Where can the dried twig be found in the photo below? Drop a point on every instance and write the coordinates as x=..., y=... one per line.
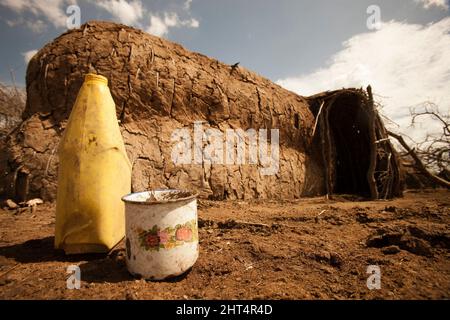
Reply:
x=317, y=118
x=434, y=150
x=9, y=270
x=252, y=224
x=419, y=164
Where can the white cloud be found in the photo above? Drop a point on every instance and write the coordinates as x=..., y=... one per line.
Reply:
x=16, y=5
x=135, y=14
x=443, y=4
x=53, y=11
x=187, y=4
x=37, y=25
x=28, y=55
x=406, y=64
x=127, y=12
x=160, y=26
x=157, y=26
x=130, y=12
x=194, y=23
x=171, y=19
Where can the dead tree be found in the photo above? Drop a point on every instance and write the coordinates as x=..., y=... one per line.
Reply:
x=432, y=154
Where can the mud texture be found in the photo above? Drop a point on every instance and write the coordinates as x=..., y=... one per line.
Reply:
x=257, y=249
x=158, y=87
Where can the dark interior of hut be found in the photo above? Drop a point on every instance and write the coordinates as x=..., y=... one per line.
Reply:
x=348, y=124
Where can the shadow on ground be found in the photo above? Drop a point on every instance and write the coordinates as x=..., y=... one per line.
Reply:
x=98, y=268
x=42, y=250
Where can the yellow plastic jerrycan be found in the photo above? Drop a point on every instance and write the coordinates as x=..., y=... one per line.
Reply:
x=94, y=173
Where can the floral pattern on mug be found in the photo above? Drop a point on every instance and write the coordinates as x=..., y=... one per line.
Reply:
x=170, y=237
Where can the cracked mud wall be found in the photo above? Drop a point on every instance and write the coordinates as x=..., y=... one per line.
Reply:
x=158, y=87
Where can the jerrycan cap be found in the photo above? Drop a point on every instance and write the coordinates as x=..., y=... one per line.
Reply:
x=95, y=77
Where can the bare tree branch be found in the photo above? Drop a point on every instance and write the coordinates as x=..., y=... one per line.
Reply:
x=418, y=162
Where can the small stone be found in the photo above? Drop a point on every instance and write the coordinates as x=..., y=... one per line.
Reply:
x=391, y=250
x=322, y=256
x=185, y=297
x=130, y=296
x=34, y=202
x=362, y=217
x=11, y=204
x=278, y=268
x=390, y=209
x=238, y=279
x=336, y=260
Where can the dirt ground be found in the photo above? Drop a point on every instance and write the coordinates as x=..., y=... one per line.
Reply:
x=304, y=249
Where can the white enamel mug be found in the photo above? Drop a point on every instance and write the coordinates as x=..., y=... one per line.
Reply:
x=161, y=230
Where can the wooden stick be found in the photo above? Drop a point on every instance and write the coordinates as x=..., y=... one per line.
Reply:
x=8, y=271
x=382, y=140
x=253, y=224
x=317, y=118
x=373, y=146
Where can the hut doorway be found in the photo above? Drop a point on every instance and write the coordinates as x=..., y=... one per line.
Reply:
x=349, y=129
x=352, y=142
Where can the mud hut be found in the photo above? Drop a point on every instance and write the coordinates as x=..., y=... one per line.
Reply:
x=329, y=143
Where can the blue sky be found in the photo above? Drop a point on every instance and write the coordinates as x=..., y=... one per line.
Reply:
x=305, y=46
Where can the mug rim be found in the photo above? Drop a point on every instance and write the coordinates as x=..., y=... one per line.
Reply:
x=192, y=195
